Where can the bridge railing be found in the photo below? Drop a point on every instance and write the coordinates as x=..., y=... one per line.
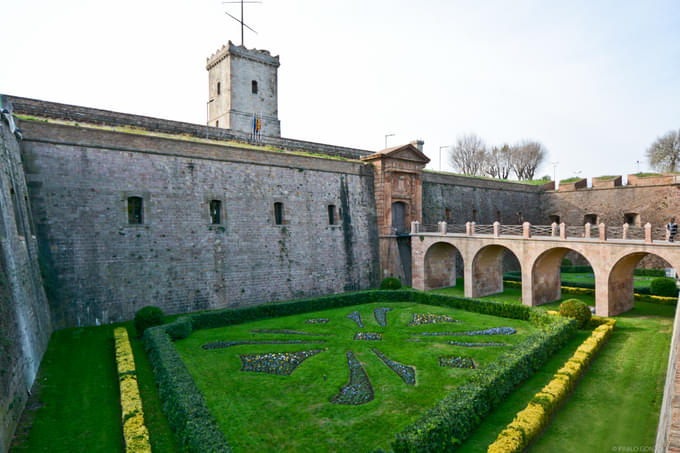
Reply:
x=542, y=230
x=483, y=229
x=600, y=232
x=512, y=230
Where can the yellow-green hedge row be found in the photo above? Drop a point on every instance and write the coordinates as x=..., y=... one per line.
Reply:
x=588, y=291
x=529, y=422
x=134, y=431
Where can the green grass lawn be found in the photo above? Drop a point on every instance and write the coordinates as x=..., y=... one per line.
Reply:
x=77, y=404
x=264, y=412
x=638, y=281
x=618, y=400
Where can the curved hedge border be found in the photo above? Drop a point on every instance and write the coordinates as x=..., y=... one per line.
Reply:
x=135, y=434
x=530, y=421
x=453, y=418
x=444, y=427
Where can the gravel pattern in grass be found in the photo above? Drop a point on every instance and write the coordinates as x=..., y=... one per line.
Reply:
x=430, y=318
x=405, y=372
x=492, y=331
x=281, y=363
x=381, y=315
x=228, y=344
x=317, y=321
x=456, y=362
x=356, y=317
x=370, y=336
x=359, y=390
x=289, y=332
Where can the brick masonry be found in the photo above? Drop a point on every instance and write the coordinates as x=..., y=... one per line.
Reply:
x=45, y=109
x=481, y=200
x=79, y=181
x=25, y=322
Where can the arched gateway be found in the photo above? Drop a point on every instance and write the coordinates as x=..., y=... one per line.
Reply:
x=613, y=261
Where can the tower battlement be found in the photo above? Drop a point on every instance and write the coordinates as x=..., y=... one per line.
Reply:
x=260, y=56
x=243, y=91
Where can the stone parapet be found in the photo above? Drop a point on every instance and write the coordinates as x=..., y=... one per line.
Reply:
x=604, y=182
x=470, y=181
x=87, y=115
x=572, y=186
x=660, y=180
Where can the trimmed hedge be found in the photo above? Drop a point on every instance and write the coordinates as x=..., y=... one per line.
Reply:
x=135, y=433
x=183, y=403
x=530, y=421
x=574, y=308
x=650, y=272
x=390, y=283
x=198, y=430
x=146, y=317
x=451, y=421
x=641, y=294
x=663, y=286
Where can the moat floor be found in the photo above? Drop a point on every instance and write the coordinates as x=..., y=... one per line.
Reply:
x=75, y=402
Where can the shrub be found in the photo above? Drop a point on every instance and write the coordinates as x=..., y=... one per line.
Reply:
x=530, y=421
x=451, y=421
x=135, y=433
x=650, y=272
x=390, y=283
x=663, y=286
x=148, y=317
x=566, y=262
x=574, y=308
x=183, y=403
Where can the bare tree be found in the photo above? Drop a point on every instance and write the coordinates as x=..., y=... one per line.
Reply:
x=527, y=156
x=498, y=162
x=468, y=154
x=664, y=153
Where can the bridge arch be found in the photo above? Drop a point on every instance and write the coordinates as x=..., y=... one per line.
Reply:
x=486, y=270
x=620, y=282
x=546, y=281
x=440, y=265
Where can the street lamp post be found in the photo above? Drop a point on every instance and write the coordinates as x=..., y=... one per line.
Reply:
x=440, y=156
x=207, y=111
x=387, y=135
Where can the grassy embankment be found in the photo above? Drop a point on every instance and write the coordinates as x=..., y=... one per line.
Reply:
x=618, y=400
x=76, y=407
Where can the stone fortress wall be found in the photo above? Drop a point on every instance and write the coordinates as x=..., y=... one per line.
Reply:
x=81, y=166
x=105, y=269
x=25, y=321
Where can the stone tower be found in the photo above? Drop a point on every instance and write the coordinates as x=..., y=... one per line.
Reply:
x=242, y=85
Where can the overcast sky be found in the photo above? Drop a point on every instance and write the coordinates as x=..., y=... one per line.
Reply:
x=595, y=81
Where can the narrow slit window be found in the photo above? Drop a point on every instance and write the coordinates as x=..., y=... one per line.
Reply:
x=278, y=213
x=217, y=123
x=331, y=214
x=215, y=212
x=474, y=215
x=554, y=219
x=219, y=88
x=253, y=86
x=135, y=210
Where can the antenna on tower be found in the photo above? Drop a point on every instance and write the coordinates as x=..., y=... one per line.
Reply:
x=241, y=21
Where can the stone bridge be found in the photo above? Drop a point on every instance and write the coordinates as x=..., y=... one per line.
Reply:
x=613, y=253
